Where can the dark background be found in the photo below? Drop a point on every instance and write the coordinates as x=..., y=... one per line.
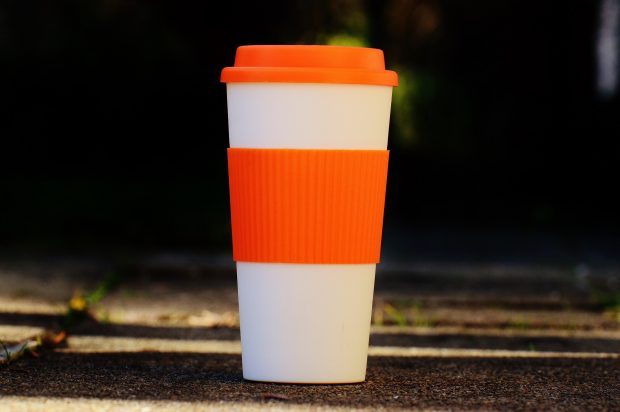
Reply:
x=114, y=131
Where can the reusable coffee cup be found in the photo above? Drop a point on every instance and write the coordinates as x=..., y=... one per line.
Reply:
x=307, y=163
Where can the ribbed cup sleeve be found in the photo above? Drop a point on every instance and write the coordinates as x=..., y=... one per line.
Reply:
x=307, y=206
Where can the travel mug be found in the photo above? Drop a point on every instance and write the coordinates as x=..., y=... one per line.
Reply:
x=307, y=163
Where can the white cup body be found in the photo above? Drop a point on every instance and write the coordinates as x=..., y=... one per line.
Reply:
x=308, y=115
x=306, y=323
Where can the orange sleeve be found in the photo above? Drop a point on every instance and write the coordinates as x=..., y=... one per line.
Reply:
x=307, y=206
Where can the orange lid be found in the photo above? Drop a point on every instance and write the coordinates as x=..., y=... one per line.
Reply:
x=309, y=64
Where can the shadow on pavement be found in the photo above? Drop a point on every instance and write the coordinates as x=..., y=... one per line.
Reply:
x=464, y=383
x=471, y=341
x=409, y=339
x=440, y=340
x=29, y=319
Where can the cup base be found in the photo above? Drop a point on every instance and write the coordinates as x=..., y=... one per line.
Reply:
x=304, y=323
x=289, y=382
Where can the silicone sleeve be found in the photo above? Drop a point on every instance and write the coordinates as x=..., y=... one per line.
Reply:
x=307, y=206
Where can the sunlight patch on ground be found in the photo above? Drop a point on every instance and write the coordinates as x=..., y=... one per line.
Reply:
x=35, y=404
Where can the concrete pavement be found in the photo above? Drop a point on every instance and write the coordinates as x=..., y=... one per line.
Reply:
x=446, y=337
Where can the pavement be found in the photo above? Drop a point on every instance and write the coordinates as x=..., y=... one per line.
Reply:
x=446, y=335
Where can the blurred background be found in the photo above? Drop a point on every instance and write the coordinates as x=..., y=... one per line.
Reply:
x=504, y=134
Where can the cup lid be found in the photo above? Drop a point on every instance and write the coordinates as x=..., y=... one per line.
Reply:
x=309, y=64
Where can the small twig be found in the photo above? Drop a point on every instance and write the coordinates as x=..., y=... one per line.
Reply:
x=30, y=346
x=275, y=396
x=14, y=352
x=78, y=310
x=6, y=351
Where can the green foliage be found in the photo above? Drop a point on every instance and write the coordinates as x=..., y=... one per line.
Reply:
x=345, y=39
x=80, y=304
x=609, y=301
x=403, y=104
x=520, y=324
x=397, y=316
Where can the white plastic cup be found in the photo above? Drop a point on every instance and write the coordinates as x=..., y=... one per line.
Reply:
x=306, y=323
